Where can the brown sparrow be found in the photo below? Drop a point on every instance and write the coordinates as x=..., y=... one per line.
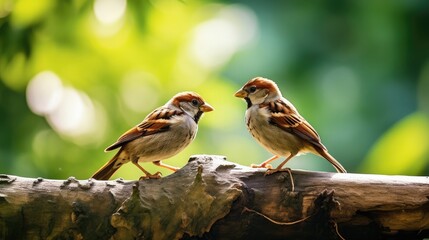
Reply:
x=162, y=134
x=276, y=124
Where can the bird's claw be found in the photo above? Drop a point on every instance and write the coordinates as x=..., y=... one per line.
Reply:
x=156, y=175
x=271, y=171
x=269, y=166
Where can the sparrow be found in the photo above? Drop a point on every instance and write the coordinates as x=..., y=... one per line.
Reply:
x=162, y=134
x=276, y=124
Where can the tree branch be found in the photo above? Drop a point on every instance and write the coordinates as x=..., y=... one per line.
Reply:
x=216, y=199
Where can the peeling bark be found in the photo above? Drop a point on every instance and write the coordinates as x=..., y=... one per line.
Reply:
x=211, y=198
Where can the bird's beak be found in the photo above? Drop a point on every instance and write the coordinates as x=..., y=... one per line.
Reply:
x=241, y=93
x=206, y=107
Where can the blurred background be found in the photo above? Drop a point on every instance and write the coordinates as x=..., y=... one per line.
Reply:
x=76, y=74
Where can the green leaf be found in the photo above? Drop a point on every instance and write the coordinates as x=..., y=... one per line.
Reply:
x=403, y=149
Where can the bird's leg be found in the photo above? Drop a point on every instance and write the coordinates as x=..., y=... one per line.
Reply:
x=148, y=175
x=159, y=163
x=265, y=164
x=285, y=161
x=279, y=167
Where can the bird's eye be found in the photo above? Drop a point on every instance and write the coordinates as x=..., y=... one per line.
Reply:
x=195, y=102
x=252, y=89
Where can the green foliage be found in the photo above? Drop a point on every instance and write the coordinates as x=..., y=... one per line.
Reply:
x=354, y=69
x=403, y=149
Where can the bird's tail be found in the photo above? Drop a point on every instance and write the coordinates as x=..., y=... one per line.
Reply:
x=106, y=171
x=332, y=160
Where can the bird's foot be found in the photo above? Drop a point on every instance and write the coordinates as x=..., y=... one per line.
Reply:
x=261, y=166
x=156, y=175
x=271, y=171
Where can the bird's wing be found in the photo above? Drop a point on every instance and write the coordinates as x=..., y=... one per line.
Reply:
x=156, y=122
x=288, y=119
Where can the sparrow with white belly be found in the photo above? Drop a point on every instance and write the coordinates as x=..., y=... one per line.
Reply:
x=276, y=124
x=162, y=134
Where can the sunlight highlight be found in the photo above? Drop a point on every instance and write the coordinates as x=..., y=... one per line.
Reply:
x=44, y=93
x=69, y=111
x=109, y=11
x=216, y=40
x=73, y=115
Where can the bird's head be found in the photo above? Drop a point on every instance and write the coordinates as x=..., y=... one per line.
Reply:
x=259, y=90
x=192, y=104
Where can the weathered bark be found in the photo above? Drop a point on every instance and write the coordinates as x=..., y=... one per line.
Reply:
x=211, y=198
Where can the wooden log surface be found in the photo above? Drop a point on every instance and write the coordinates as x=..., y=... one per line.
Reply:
x=211, y=198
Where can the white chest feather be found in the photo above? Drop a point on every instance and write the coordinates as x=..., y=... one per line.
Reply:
x=271, y=137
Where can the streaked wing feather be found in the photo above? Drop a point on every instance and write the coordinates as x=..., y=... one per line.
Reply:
x=154, y=123
x=289, y=120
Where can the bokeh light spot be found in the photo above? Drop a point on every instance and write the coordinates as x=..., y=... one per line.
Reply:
x=69, y=111
x=109, y=11
x=68, y=117
x=44, y=92
x=216, y=40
